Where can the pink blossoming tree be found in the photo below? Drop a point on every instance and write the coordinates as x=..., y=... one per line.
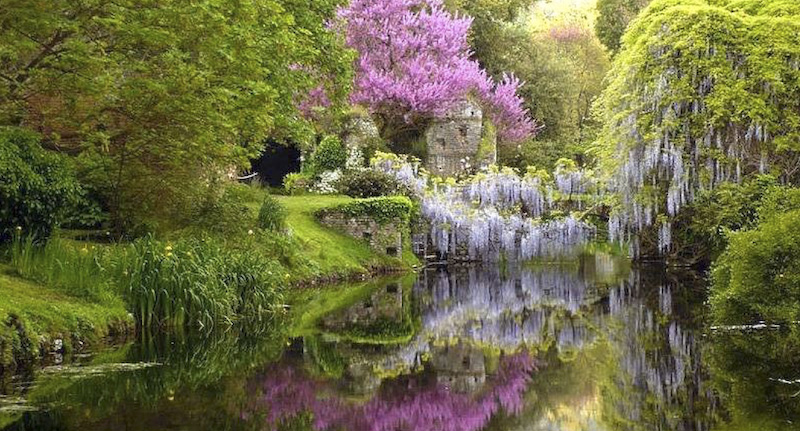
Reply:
x=414, y=64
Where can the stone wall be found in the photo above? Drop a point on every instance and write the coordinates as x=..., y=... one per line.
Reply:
x=360, y=132
x=384, y=238
x=454, y=142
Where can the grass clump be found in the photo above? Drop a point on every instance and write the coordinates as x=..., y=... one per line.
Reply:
x=272, y=215
x=78, y=270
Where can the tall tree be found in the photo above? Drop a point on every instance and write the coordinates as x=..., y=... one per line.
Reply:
x=613, y=19
x=414, y=64
x=153, y=94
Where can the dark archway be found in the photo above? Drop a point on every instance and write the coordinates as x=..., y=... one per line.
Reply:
x=275, y=162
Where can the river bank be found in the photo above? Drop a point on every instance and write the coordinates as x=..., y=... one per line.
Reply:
x=41, y=320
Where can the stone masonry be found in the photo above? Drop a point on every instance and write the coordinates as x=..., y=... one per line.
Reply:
x=453, y=142
x=386, y=238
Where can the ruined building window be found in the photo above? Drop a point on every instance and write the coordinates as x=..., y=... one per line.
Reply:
x=367, y=236
x=391, y=251
x=463, y=130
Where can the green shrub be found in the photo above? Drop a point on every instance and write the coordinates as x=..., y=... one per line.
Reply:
x=36, y=185
x=368, y=183
x=758, y=276
x=297, y=183
x=700, y=231
x=778, y=200
x=329, y=155
x=224, y=212
x=272, y=215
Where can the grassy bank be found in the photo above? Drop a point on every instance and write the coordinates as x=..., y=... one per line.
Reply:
x=329, y=254
x=35, y=317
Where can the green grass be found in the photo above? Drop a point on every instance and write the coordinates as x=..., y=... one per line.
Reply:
x=46, y=314
x=331, y=254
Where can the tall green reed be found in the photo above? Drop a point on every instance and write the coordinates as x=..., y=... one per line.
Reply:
x=77, y=269
x=200, y=284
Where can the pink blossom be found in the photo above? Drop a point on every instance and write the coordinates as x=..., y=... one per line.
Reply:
x=414, y=62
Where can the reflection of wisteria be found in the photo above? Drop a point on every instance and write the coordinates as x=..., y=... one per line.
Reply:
x=419, y=405
x=660, y=360
x=506, y=312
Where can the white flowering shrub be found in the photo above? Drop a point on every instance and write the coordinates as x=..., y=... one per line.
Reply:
x=326, y=183
x=495, y=213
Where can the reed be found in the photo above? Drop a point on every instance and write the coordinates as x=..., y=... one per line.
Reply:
x=199, y=284
x=76, y=269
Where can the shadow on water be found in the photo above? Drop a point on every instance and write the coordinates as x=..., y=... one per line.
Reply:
x=591, y=345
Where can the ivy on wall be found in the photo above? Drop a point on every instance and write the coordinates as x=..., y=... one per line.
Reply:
x=383, y=210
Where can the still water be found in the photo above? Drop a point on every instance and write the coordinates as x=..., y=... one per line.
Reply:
x=592, y=345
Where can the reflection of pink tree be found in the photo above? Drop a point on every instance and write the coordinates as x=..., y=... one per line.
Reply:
x=288, y=392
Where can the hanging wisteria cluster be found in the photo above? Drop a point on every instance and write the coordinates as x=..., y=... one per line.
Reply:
x=496, y=213
x=687, y=119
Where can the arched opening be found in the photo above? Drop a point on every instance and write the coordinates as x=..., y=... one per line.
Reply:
x=275, y=162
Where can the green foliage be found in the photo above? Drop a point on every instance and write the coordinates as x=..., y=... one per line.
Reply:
x=369, y=183
x=747, y=54
x=381, y=209
x=564, y=64
x=199, y=284
x=159, y=98
x=36, y=185
x=221, y=211
x=700, y=232
x=297, y=183
x=758, y=276
x=613, y=19
x=272, y=215
x=329, y=155
x=78, y=270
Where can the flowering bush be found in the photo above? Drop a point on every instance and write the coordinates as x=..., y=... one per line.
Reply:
x=493, y=214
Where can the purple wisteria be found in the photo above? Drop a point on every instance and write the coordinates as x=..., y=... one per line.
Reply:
x=414, y=63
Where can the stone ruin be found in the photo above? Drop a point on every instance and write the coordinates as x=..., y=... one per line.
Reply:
x=384, y=238
x=454, y=142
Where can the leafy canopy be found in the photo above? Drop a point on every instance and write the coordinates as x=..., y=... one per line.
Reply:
x=155, y=96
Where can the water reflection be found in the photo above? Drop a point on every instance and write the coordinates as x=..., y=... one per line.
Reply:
x=591, y=345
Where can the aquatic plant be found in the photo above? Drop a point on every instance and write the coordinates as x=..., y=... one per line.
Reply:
x=198, y=284
x=79, y=270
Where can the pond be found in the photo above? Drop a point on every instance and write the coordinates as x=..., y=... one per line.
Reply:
x=587, y=345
